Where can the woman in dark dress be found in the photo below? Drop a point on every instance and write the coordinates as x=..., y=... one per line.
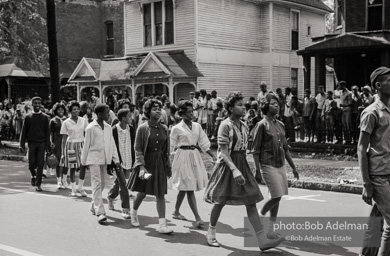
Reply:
x=151, y=166
x=232, y=182
x=59, y=110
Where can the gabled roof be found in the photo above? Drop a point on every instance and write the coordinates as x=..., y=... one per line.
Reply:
x=347, y=41
x=9, y=68
x=318, y=4
x=153, y=65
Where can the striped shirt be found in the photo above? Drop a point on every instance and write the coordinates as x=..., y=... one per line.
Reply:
x=124, y=143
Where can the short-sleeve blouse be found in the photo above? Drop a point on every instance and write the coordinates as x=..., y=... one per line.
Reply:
x=75, y=131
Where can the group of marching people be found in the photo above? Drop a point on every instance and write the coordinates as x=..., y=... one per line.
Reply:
x=139, y=156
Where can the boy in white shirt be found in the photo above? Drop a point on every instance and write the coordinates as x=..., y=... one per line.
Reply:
x=99, y=150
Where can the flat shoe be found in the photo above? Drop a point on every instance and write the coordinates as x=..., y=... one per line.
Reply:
x=212, y=242
x=178, y=217
x=199, y=223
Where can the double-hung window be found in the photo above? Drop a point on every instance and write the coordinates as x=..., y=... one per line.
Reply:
x=158, y=18
x=109, y=38
x=294, y=30
x=374, y=15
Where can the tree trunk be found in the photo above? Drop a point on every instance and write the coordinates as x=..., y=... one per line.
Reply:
x=53, y=52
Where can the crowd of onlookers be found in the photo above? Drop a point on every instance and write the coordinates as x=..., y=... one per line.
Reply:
x=328, y=117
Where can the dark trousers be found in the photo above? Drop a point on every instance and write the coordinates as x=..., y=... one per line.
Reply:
x=320, y=126
x=36, y=160
x=372, y=236
x=355, y=127
x=119, y=187
x=289, y=124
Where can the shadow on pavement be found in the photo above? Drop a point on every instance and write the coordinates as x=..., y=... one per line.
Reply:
x=329, y=249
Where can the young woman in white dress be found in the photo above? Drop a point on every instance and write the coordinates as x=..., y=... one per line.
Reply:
x=189, y=174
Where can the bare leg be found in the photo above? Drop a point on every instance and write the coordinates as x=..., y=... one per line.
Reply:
x=138, y=200
x=82, y=173
x=269, y=205
x=215, y=213
x=160, y=202
x=254, y=218
x=179, y=201
x=72, y=175
x=192, y=202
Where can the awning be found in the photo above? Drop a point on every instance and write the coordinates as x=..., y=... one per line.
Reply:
x=9, y=68
x=347, y=42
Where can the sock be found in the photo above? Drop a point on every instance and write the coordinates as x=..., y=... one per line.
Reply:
x=65, y=178
x=212, y=231
x=81, y=184
x=271, y=226
x=162, y=222
x=73, y=186
x=135, y=212
x=58, y=179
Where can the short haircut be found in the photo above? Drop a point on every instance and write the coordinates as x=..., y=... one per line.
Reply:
x=330, y=92
x=57, y=106
x=203, y=92
x=123, y=102
x=343, y=83
x=149, y=105
x=173, y=109
x=308, y=91
x=73, y=104
x=213, y=92
x=100, y=108
x=183, y=106
x=220, y=104
x=123, y=113
x=265, y=102
x=231, y=99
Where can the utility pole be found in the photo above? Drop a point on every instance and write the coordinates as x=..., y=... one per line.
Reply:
x=53, y=52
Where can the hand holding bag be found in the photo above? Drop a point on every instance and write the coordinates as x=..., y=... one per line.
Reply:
x=52, y=161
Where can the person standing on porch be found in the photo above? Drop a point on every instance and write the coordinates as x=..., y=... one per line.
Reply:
x=320, y=123
x=288, y=115
x=189, y=174
x=346, y=104
x=309, y=110
x=99, y=150
x=37, y=134
x=232, y=181
x=373, y=152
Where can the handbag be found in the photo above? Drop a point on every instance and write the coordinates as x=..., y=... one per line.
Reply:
x=52, y=161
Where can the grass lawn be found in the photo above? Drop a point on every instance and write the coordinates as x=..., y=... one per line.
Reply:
x=314, y=173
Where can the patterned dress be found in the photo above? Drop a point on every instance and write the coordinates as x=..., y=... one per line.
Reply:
x=222, y=188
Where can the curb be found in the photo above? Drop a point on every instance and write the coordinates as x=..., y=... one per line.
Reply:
x=12, y=158
x=334, y=187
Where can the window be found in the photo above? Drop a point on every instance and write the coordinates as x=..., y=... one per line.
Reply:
x=375, y=14
x=339, y=14
x=308, y=30
x=158, y=23
x=169, y=22
x=148, y=24
x=294, y=30
x=109, y=38
x=294, y=80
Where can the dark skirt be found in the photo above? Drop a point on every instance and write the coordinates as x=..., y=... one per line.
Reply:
x=223, y=189
x=157, y=184
x=57, y=151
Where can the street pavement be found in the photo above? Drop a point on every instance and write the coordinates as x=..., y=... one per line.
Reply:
x=52, y=223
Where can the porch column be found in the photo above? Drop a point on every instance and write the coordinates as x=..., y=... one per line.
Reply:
x=170, y=88
x=307, y=71
x=8, y=80
x=78, y=92
x=385, y=57
x=133, y=91
x=101, y=92
x=320, y=72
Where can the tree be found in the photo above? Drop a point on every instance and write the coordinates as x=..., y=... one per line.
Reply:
x=20, y=25
x=329, y=19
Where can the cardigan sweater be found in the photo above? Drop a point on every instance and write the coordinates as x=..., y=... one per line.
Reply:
x=141, y=144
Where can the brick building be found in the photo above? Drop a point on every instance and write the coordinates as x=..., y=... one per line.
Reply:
x=360, y=44
x=85, y=28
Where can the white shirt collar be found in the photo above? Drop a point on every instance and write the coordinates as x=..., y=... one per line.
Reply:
x=120, y=128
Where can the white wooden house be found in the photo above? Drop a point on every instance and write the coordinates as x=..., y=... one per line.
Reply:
x=234, y=44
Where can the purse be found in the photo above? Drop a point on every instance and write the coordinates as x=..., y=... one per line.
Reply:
x=52, y=161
